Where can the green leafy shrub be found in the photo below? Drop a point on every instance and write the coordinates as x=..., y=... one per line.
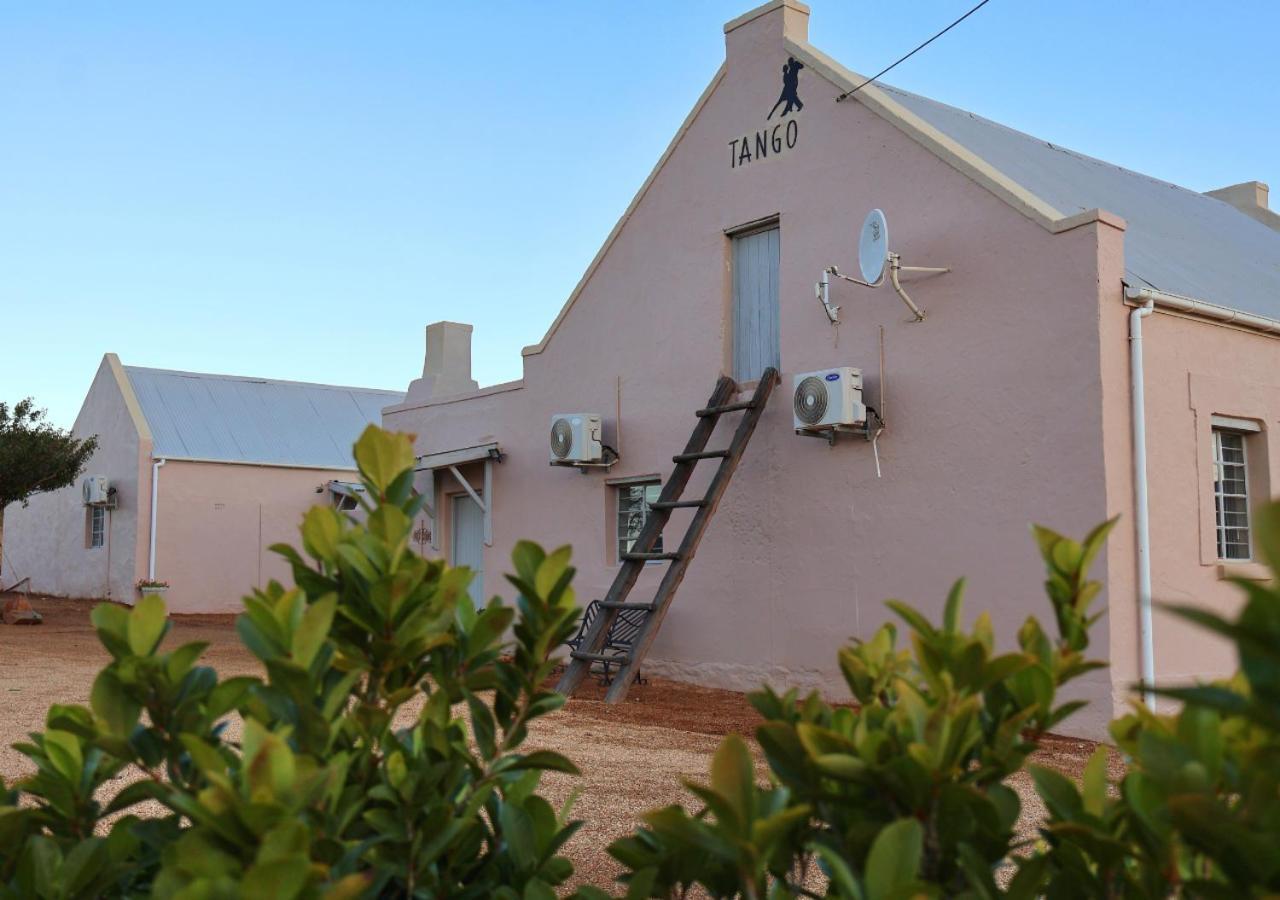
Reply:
x=1198, y=812
x=905, y=795
x=378, y=756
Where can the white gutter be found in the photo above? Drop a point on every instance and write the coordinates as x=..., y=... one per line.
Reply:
x=1223, y=314
x=1141, y=518
x=155, y=498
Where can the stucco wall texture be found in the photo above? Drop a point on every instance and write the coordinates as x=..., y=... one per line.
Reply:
x=217, y=522
x=994, y=404
x=47, y=540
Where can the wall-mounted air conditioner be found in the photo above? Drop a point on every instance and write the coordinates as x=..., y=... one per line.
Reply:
x=576, y=438
x=828, y=398
x=95, y=490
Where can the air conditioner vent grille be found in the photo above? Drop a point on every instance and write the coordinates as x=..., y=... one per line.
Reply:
x=561, y=438
x=810, y=400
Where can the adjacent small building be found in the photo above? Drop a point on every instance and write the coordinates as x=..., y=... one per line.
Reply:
x=1018, y=399
x=195, y=476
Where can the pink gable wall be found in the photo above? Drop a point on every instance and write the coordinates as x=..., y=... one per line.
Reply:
x=993, y=404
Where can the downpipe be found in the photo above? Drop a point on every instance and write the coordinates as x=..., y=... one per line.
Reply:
x=1138, y=413
x=155, y=505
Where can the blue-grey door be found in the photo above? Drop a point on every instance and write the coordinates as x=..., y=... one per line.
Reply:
x=467, y=546
x=755, y=304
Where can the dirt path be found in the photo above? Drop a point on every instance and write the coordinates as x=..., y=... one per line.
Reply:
x=634, y=757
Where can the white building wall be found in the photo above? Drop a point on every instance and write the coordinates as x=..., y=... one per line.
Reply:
x=47, y=539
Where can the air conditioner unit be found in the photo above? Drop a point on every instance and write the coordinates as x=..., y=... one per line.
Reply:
x=576, y=438
x=96, y=490
x=828, y=398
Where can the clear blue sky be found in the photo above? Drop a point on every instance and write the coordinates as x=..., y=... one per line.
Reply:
x=294, y=190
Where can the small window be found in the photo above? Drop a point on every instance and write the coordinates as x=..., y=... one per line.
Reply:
x=97, y=527
x=1231, y=493
x=633, y=512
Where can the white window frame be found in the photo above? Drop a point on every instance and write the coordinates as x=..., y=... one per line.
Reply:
x=97, y=527
x=621, y=490
x=1220, y=496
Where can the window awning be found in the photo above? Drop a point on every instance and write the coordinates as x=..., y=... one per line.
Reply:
x=429, y=463
x=457, y=457
x=346, y=488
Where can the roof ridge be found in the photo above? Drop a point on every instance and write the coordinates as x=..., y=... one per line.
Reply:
x=262, y=380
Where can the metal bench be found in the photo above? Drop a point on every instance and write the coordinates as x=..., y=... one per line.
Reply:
x=618, y=642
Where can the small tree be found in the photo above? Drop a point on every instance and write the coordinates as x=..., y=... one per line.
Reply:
x=36, y=456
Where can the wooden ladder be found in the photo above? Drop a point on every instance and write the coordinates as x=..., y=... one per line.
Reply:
x=596, y=646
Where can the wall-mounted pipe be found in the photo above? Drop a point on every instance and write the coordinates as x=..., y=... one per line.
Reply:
x=1138, y=412
x=155, y=505
x=895, y=266
x=823, y=290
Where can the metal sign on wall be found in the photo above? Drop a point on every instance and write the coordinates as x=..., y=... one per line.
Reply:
x=778, y=137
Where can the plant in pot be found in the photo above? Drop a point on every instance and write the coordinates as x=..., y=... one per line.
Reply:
x=149, y=586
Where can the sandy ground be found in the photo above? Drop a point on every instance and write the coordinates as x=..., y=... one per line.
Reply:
x=634, y=757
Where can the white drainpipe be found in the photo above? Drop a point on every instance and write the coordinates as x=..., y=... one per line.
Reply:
x=155, y=498
x=1141, y=518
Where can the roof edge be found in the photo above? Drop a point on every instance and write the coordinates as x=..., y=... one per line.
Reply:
x=130, y=397
x=1204, y=310
x=259, y=464
x=537, y=348
x=946, y=148
x=255, y=379
x=455, y=398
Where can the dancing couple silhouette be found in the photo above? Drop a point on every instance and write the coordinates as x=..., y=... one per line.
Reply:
x=790, y=87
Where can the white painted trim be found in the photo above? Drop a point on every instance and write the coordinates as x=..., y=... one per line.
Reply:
x=130, y=398
x=486, y=504
x=1202, y=309
x=451, y=458
x=763, y=10
x=623, y=480
x=1234, y=423
x=258, y=465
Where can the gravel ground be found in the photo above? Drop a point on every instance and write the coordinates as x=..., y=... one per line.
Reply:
x=633, y=757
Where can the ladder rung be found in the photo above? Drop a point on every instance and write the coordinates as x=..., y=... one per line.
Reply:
x=705, y=454
x=728, y=407
x=677, y=504
x=638, y=557
x=600, y=657
x=622, y=604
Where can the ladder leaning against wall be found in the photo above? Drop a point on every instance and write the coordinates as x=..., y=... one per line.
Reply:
x=599, y=645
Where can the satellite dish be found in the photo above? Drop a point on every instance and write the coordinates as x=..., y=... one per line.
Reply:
x=873, y=247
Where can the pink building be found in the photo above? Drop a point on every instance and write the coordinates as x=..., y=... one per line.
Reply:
x=1011, y=403
x=194, y=477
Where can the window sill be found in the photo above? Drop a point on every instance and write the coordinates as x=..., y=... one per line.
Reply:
x=1249, y=571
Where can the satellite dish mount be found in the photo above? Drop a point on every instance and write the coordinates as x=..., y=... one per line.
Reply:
x=874, y=258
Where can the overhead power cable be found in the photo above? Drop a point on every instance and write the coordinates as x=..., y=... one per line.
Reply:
x=851, y=92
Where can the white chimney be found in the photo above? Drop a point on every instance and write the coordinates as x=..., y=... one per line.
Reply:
x=446, y=369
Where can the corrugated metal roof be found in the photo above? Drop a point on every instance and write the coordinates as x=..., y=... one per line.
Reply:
x=1177, y=240
x=254, y=420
